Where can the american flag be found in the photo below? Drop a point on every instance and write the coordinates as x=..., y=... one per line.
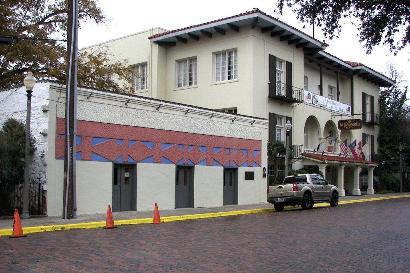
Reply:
x=359, y=150
x=352, y=147
x=343, y=148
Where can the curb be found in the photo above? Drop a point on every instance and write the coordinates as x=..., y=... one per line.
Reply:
x=168, y=219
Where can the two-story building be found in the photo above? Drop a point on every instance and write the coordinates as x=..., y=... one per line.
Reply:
x=254, y=64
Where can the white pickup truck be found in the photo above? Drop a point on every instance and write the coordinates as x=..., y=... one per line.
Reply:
x=304, y=190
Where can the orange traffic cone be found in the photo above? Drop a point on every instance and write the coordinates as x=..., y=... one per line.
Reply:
x=17, y=228
x=157, y=218
x=109, y=222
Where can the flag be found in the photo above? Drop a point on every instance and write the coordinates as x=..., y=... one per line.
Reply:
x=359, y=150
x=352, y=147
x=321, y=147
x=343, y=148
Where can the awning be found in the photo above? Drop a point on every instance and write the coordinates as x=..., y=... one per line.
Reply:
x=336, y=159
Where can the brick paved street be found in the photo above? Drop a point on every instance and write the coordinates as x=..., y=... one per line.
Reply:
x=366, y=237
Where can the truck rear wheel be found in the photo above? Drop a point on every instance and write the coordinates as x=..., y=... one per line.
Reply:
x=279, y=207
x=307, y=201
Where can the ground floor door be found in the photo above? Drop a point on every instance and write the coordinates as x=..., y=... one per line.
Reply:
x=184, y=187
x=124, y=188
x=230, y=188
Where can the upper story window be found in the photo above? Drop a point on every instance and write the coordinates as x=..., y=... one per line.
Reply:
x=331, y=92
x=140, y=77
x=306, y=83
x=186, y=74
x=231, y=110
x=280, y=128
x=368, y=110
x=280, y=77
x=226, y=65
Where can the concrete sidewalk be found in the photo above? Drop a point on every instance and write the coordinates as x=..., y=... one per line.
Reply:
x=133, y=217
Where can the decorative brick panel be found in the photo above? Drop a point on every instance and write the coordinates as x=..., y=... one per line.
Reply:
x=128, y=144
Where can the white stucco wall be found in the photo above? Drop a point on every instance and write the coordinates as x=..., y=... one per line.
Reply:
x=13, y=104
x=131, y=49
x=155, y=184
x=251, y=191
x=209, y=93
x=208, y=186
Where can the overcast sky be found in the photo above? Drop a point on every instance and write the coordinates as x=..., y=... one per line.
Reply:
x=125, y=17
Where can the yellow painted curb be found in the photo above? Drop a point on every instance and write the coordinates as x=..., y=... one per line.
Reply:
x=168, y=219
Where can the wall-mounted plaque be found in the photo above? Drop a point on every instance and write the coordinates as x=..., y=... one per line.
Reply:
x=349, y=124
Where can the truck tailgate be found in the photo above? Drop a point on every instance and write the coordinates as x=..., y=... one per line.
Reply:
x=280, y=190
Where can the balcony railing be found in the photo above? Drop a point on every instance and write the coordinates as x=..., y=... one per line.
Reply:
x=370, y=118
x=326, y=103
x=295, y=152
x=285, y=92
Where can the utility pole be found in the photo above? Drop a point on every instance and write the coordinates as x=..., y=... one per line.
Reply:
x=401, y=167
x=69, y=194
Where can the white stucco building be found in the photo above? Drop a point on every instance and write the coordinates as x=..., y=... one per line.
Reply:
x=254, y=64
x=133, y=151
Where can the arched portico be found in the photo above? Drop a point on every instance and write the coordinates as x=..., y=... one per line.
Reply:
x=330, y=136
x=312, y=133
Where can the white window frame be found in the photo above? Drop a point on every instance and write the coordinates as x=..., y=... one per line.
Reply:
x=225, y=65
x=140, y=77
x=280, y=129
x=280, y=77
x=367, y=148
x=331, y=92
x=186, y=72
x=368, y=108
x=306, y=83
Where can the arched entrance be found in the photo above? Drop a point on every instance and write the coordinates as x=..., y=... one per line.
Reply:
x=312, y=133
x=330, y=136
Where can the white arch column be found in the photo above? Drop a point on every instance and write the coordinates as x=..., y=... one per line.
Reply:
x=322, y=169
x=370, y=189
x=356, y=184
x=341, y=179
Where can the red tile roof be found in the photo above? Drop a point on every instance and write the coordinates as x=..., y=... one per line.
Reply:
x=354, y=64
x=253, y=11
x=335, y=158
x=203, y=24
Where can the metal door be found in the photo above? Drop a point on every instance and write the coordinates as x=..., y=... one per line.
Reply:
x=230, y=188
x=184, y=187
x=123, y=193
x=317, y=187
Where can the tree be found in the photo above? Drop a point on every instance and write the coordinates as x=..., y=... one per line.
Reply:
x=38, y=29
x=276, y=150
x=12, y=145
x=394, y=130
x=379, y=20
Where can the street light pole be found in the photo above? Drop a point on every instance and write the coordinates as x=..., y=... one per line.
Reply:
x=29, y=82
x=288, y=127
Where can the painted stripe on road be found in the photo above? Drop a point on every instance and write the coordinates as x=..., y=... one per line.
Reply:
x=168, y=219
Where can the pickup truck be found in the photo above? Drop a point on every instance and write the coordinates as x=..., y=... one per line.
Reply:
x=304, y=190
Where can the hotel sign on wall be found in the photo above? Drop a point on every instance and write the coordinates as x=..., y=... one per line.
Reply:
x=349, y=124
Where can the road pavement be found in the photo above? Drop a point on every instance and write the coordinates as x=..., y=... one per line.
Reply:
x=364, y=237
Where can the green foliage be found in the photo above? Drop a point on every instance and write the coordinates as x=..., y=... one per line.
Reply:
x=379, y=21
x=306, y=169
x=394, y=124
x=394, y=130
x=12, y=146
x=276, y=148
x=388, y=183
x=34, y=23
